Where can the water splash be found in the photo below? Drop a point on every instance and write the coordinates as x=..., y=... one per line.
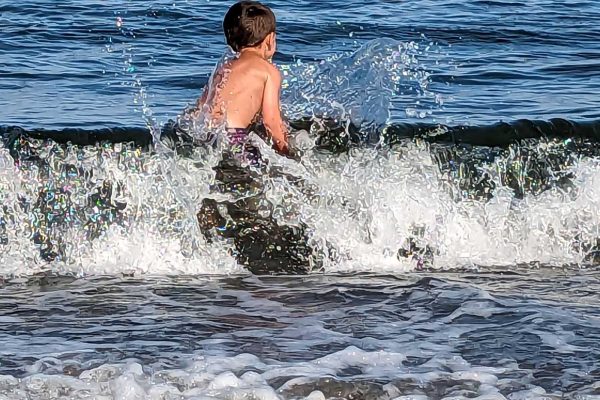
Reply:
x=358, y=88
x=399, y=209
x=99, y=209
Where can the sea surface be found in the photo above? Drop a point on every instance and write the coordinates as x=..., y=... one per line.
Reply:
x=436, y=237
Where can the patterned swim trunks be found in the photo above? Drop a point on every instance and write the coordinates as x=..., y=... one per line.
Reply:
x=242, y=148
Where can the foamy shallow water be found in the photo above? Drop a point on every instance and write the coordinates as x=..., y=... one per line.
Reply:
x=496, y=335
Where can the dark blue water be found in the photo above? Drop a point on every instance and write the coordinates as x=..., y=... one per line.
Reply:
x=451, y=255
x=64, y=63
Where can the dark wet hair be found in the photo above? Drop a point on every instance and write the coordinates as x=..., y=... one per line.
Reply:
x=247, y=24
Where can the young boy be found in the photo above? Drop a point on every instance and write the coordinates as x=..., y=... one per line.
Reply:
x=248, y=87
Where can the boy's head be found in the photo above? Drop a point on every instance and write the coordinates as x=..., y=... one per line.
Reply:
x=247, y=24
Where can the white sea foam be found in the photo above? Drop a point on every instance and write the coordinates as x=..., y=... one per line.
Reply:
x=371, y=202
x=366, y=205
x=244, y=376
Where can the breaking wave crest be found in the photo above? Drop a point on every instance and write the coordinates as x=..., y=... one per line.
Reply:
x=79, y=201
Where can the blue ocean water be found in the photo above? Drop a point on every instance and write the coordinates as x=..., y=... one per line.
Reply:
x=438, y=237
x=65, y=63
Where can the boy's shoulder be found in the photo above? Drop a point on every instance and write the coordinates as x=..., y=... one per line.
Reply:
x=271, y=72
x=265, y=66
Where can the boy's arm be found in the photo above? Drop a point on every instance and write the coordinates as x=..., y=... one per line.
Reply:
x=271, y=111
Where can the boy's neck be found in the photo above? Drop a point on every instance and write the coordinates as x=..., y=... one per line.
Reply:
x=258, y=51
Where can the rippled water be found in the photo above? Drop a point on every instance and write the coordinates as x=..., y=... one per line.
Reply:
x=490, y=335
x=63, y=62
x=443, y=221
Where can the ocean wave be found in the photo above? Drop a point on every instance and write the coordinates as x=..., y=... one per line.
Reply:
x=394, y=198
x=339, y=134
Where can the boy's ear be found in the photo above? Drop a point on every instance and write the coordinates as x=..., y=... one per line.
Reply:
x=270, y=40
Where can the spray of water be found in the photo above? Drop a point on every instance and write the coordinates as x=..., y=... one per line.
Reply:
x=358, y=88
